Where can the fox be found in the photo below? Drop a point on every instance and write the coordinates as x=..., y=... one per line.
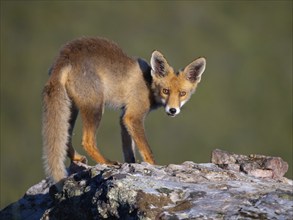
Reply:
x=92, y=73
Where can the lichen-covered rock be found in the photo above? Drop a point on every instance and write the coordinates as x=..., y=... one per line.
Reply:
x=254, y=164
x=144, y=191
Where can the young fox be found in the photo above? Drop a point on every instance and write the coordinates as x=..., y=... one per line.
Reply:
x=91, y=73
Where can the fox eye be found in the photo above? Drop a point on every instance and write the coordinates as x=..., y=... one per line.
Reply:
x=183, y=93
x=166, y=91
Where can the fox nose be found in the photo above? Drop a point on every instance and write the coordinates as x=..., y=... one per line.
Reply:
x=173, y=111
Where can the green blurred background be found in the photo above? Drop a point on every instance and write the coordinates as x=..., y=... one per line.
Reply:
x=243, y=104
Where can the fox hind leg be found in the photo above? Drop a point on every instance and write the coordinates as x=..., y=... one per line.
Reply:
x=91, y=118
x=71, y=152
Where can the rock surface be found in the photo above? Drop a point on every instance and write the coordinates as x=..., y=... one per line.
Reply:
x=254, y=164
x=143, y=191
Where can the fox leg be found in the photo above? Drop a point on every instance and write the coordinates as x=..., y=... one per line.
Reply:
x=134, y=124
x=71, y=152
x=91, y=118
x=128, y=145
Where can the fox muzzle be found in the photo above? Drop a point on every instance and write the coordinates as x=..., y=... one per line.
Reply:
x=171, y=111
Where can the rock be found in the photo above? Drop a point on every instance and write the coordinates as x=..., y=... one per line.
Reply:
x=254, y=164
x=144, y=191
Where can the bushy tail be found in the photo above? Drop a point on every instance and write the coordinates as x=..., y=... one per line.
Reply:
x=55, y=125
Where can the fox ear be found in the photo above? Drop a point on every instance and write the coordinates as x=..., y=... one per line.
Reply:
x=159, y=64
x=194, y=70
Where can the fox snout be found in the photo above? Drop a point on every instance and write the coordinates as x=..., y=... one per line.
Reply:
x=172, y=111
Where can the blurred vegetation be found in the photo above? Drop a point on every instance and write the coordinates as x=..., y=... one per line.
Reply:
x=243, y=104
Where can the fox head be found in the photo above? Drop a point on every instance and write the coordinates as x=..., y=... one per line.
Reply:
x=172, y=89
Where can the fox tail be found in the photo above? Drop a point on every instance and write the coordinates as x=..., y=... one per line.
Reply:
x=55, y=124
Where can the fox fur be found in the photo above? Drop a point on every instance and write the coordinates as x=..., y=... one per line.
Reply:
x=90, y=74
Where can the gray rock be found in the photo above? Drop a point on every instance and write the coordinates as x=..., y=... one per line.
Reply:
x=144, y=191
x=254, y=164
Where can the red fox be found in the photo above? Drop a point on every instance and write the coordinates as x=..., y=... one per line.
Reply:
x=92, y=73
